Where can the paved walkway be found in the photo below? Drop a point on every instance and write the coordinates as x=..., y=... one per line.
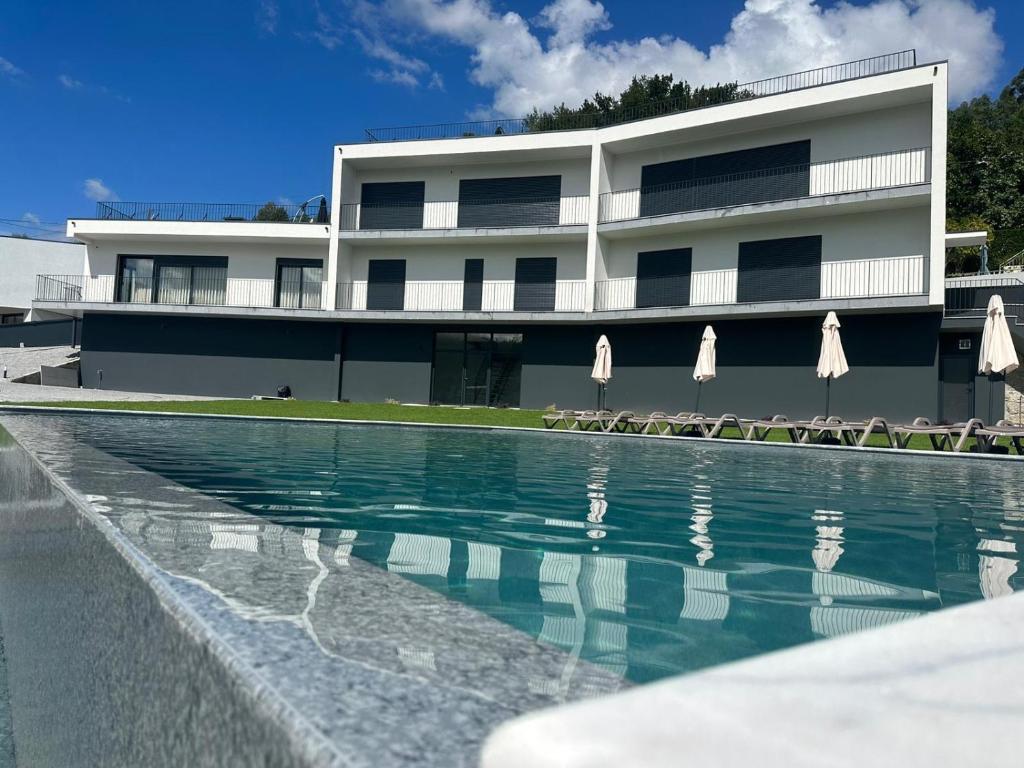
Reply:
x=33, y=393
x=21, y=361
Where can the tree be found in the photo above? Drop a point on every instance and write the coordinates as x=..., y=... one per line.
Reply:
x=272, y=212
x=985, y=175
x=646, y=96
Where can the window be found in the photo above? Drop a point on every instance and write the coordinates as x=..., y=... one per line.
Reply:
x=535, y=285
x=779, y=270
x=12, y=318
x=391, y=205
x=385, y=285
x=299, y=283
x=172, y=280
x=473, y=286
x=778, y=172
x=663, y=278
x=510, y=202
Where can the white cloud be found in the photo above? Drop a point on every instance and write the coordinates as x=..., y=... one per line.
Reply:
x=31, y=218
x=7, y=69
x=96, y=190
x=767, y=37
x=70, y=83
x=267, y=13
x=396, y=76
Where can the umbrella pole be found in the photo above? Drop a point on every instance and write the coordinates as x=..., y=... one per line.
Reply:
x=828, y=393
x=696, y=406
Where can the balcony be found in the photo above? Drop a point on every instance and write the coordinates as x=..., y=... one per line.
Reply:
x=467, y=214
x=313, y=211
x=457, y=296
x=210, y=288
x=696, y=99
x=850, y=279
x=901, y=168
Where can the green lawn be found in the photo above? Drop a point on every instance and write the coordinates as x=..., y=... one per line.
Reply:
x=305, y=409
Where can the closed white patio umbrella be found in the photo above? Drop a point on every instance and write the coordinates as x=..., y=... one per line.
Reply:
x=704, y=370
x=997, y=353
x=832, y=360
x=602, y=370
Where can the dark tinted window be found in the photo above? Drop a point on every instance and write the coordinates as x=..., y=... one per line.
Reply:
x=778, y=172
x=392, y=205
x=779, y=270
x=511, y=202
x=663, y=278
x=535, y=285
x=385, y=288
x=473, y=285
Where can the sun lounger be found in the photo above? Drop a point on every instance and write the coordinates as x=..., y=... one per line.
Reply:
x=940, y=435
x=686, y=425
x=714, y=427
x=623, y=421
x=566, y=418
x=592, y=420
x=988, y=436
x=965, y=432
x=851, y=433
x=759, y=429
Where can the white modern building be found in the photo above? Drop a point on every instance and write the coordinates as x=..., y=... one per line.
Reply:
x=477, y=263
x=21, y=260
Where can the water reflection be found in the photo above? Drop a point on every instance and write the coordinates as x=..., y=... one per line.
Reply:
x=705, y=555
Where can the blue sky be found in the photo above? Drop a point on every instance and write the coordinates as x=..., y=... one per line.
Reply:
x=241, y=101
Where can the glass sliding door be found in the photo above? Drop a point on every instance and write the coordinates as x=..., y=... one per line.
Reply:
x=174, y=285
x=477, y=368
x=299, y=283
x=135, y=280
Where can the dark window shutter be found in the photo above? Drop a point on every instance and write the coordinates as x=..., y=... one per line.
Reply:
x=392, y=205
x=385, y=284
x=473, y=286
x=779, y=270
x=512, y=202
x=535, y=285
x=663, y=278
x=761, y=174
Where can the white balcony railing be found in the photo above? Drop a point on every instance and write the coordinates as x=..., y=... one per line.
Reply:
x=855, y=278
x=449, y=296
x=829, y=177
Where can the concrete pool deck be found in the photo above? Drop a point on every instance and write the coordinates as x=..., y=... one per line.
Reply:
x=285, y=627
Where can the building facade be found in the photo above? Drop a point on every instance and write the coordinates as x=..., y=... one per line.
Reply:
x=477, y=264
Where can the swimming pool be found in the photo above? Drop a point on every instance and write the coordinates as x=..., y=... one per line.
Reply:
x=645, y=558
x=414, y=587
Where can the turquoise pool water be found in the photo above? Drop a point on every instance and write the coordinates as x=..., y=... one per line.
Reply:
x=648, y=558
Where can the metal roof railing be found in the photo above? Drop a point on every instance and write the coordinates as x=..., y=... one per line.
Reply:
x=695, y=98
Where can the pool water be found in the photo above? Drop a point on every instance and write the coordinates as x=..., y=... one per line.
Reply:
x=648, y=558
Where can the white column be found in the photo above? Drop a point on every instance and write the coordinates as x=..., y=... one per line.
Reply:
x=937, y=243
x=330, y=294
x=598, y=184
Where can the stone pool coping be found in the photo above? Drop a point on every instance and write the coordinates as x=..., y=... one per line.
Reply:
x=946, y=689
x=489, y=427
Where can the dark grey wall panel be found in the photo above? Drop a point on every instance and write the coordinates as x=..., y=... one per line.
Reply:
x=45, y=333
x=385, y=284
x=765, y=366
x=210, y=356
x=391, y=205
x=473, y=285
x=387, y=361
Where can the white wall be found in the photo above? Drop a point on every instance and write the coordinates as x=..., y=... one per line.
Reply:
x=856, y=135
x=22, y=259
